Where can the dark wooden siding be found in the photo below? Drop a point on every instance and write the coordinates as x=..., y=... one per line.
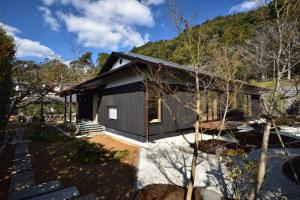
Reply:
x=173, y=109
x=256, y=107
x=130, y=104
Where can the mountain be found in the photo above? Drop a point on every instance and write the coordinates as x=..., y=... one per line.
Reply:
x=232, y=30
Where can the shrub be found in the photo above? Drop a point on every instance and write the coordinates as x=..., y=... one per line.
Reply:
x=241, y=172
x=294, y=108
x=92, y=153
x=49, y=137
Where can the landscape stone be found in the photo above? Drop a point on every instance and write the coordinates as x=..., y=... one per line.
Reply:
x=210, y=194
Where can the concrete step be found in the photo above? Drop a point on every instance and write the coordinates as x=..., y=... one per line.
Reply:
x=35, y=190
x=66, y=193
x=92, y=129
x=88, y=197
x=21, y=181
x=91, y=126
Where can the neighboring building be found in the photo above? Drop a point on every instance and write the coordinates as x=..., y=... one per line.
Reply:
x=118, y=99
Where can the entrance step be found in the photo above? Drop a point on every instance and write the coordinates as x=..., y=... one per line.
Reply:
x=89, y=127
x=66, y=193
x=35, y=190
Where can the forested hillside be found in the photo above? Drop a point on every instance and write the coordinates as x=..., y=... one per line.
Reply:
x=232, y=30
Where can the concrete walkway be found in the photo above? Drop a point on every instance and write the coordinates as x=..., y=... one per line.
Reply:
x=23, y=185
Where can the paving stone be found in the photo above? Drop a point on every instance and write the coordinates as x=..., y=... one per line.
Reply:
x=66, y=193
x=20, y=141
x=21, y=150
x=35, y=190
x=88, y=197
x=21, y=180
x=21, y=165
x=21, y=156
x=21, y=145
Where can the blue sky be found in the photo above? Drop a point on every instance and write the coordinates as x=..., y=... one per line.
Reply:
x=46, y=28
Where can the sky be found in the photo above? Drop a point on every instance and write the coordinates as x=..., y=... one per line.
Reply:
x=54, y=28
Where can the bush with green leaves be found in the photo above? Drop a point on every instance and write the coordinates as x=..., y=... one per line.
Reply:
x=49, y=137
x=241, y=172
x=92, y=153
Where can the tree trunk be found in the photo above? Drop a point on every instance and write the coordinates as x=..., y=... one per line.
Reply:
x=195, y=152
x=262, y=162
x=225, y=112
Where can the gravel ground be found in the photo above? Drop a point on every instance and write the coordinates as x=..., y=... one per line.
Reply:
x=167, y=161
x=276, y=184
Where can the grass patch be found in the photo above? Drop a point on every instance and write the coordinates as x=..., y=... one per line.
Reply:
x=49, y=137
x=287, y=121
x=269, y=84
x=92, y=153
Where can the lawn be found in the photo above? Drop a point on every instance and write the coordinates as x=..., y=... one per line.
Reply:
x=110, y=178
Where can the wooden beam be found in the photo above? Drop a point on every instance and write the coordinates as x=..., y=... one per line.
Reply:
x=65, y=110
x=70, y=106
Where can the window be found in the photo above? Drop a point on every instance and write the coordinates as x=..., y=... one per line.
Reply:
x=154, y=108
x=112, y=112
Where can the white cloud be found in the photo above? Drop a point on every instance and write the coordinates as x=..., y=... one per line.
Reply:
x=49, y=19
x=48, y=2
x=247, y=5
x=26, y=47
x=153, y=2
x=109, y=24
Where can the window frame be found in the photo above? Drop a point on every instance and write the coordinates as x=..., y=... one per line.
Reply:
x=112, y=107
x=159, y=111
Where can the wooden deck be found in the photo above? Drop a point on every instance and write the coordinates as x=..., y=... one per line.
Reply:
x=216, y=125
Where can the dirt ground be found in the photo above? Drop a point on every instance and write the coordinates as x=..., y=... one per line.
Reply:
x=5, y=170
x=114, y=144
x=110, y=180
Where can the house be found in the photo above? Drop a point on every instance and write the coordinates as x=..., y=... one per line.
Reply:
x=119, y=100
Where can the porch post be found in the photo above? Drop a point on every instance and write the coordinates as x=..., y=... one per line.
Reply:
x=65, y=111
x=70, y=108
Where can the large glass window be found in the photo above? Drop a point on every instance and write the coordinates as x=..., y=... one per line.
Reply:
x=154, y=107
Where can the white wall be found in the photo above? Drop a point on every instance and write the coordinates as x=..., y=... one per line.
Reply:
x=123, y=78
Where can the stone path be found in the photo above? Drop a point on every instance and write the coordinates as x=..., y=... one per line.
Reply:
x=23, y=185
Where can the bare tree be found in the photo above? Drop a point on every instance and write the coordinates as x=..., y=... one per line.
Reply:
x=283, y=52
x=225, y=63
